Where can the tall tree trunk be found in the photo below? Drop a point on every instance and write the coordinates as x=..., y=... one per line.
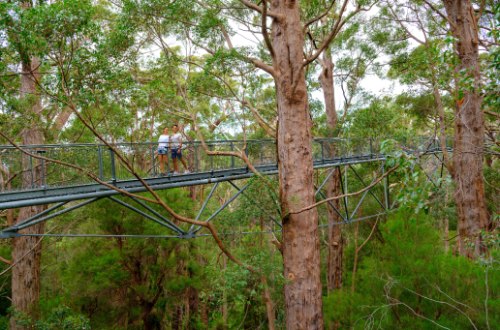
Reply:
x=301, y=249
x=469, y=131
x=26, y=251
x=335, y=239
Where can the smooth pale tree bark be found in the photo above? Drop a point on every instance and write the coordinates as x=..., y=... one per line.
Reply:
x=26, y=251
x=335, y=239
x=469, y=131
x=301, y=250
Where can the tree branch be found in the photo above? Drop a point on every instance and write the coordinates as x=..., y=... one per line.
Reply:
x=395, y=17
x=437, y=11
x=445, y=303
x=260, y=9
x=346, y=195
x=8, y=262
x=338, y=26
x=317, y=18
x=264, y=29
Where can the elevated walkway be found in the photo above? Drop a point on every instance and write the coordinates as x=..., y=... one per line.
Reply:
x=56, y=175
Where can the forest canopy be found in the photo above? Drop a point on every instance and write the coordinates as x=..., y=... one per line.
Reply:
x=367, y=132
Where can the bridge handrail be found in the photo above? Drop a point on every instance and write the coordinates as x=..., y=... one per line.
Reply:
x=197, y=142
x=100, y=160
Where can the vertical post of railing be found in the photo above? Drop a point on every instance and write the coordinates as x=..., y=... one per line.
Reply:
x=211, y=148
x=246, y=154
x=153, y=159
x=261, y=153
x=322, y=143
x=99, y=159
x=371, y=148
x=32, y=174
x=346, y=201
x=113, y=168
x=42, y=169
x=196, y=161
x=232, y=157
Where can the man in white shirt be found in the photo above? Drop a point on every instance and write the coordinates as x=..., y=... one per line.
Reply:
x=176, y=149
x=163, y=142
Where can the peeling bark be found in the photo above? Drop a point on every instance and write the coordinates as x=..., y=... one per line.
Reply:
x=27, y=251
x=335, y=239
x=469, y=132
x=301, y=255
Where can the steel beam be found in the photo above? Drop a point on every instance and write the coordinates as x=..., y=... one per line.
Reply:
x=50, y=216
x=359, y=203
x=260, y=207
x=364, y=184
x=354, y=220
x=205, y=204
x=16, y=199
x=158, y=214
x=148, y=216
x=325, y=180
x=332, y=205
x=386, y=189
x=220, y=208
x=41, y=214
x=96, y=236
x=343, y=193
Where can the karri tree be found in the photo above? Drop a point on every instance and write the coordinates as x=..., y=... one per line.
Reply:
x=283, y=26
x=468, y=154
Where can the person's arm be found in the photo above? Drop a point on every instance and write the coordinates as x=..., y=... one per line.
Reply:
x=178, y=141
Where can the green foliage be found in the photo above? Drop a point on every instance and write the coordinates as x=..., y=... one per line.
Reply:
x=118, y=67
x=381, y=115
x=410, y=273
x=60, y=317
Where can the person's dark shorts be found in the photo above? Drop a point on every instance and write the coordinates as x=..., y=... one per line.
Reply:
x=176, y=153
x=162, y=151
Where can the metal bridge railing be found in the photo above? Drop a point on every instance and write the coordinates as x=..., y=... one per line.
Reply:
x=24, y=172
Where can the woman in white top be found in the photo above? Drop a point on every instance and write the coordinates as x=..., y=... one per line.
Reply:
x=176, y=148
x=163, y=143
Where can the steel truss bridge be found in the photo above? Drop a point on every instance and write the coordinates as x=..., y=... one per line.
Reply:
x=39, y=175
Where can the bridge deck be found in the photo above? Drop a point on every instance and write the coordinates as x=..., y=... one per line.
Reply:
x=47, y=182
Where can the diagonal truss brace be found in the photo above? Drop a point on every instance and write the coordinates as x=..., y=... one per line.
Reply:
x=222, y=207
x=344, y=191
x=160, y=220
x=364, y=184
x=332, y=205
x=205, y=203
x=256, y=204
x=42, y=217
x=319, y=192
x=343, y=184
